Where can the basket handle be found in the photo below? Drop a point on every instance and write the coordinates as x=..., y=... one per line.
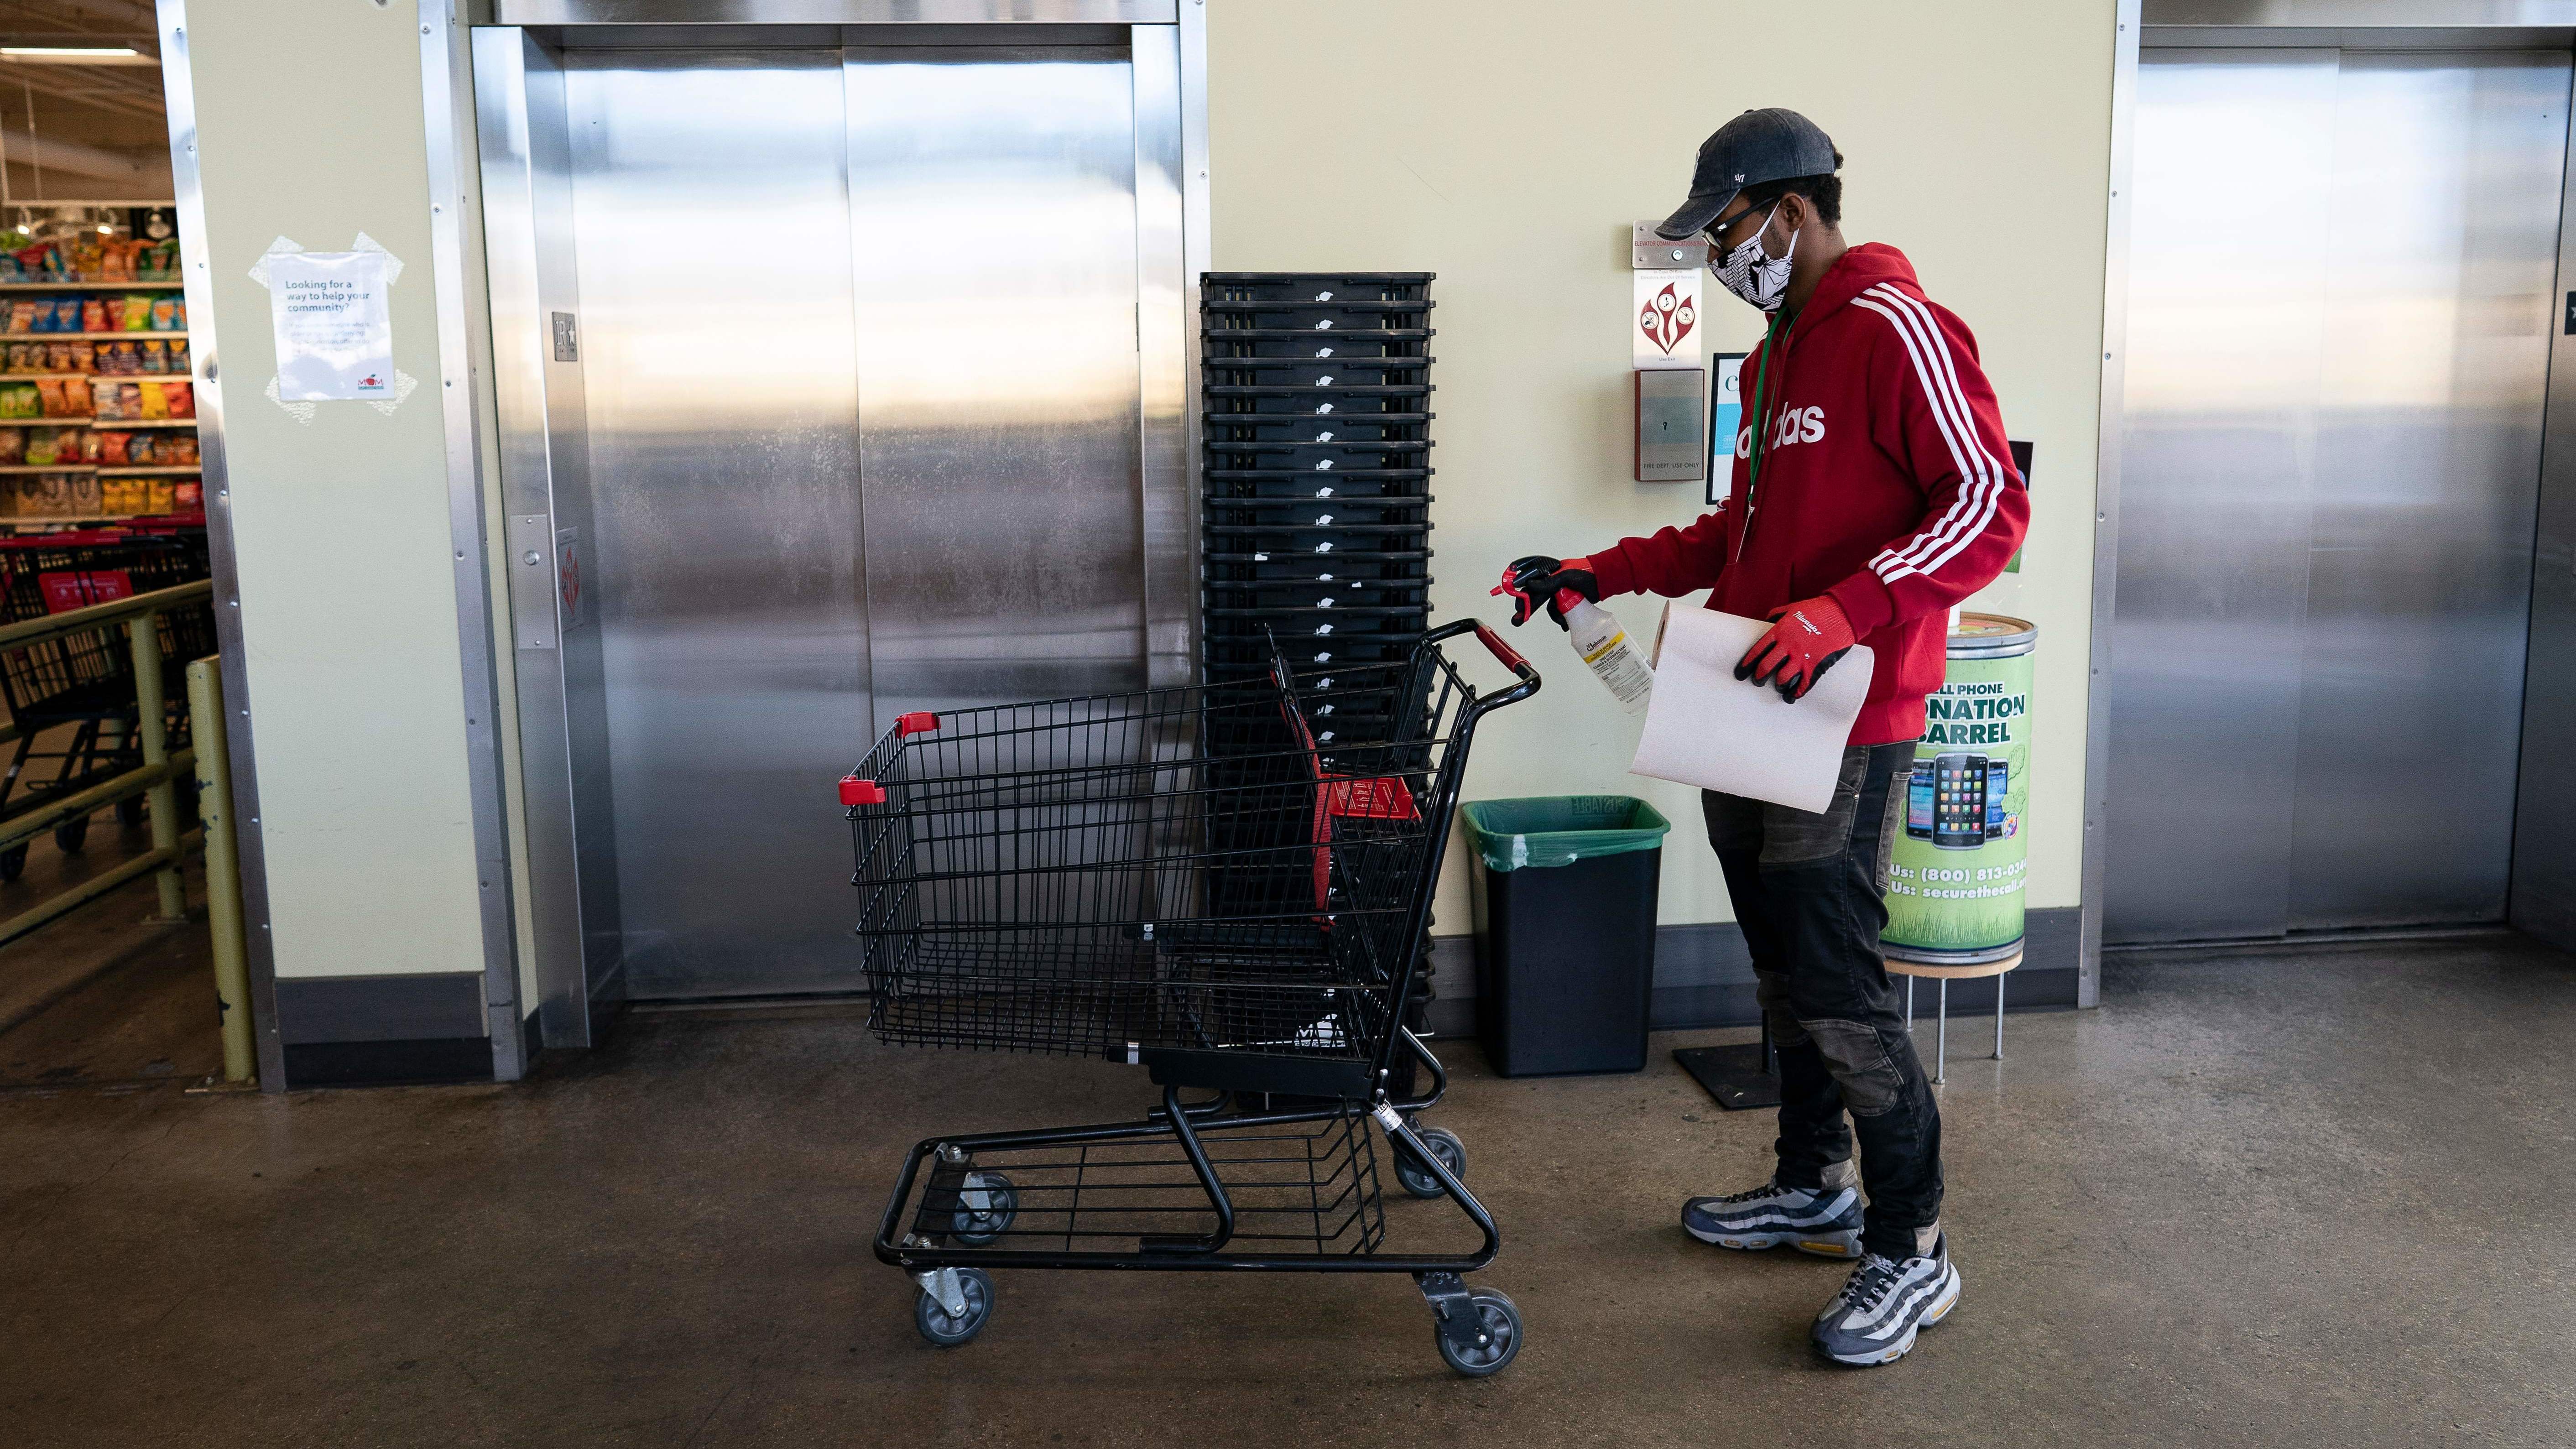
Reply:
x=1502, y=650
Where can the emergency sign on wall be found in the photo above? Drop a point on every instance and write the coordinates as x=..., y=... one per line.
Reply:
x=1665, y=337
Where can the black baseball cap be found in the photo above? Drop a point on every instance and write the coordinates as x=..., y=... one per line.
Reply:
x=1758, y=146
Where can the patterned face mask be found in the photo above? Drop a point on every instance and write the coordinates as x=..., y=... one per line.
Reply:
x=1760, y=280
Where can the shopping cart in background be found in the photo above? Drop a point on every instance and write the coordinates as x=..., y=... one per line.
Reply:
x=1228, y=885
x=85, y=682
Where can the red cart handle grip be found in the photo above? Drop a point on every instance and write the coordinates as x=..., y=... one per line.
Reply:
x=857, y=791
x=1510, y=657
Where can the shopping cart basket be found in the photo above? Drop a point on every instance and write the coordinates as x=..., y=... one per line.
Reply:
x=1228, y=885
x=84, y=683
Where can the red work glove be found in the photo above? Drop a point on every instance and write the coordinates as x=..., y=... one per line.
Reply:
x=1536, y=580
x=1803, y=642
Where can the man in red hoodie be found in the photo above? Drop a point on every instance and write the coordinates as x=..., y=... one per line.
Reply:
x=1872, y=490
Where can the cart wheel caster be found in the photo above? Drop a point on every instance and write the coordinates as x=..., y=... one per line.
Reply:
x=1419, y=1180
x=13, y=862
x=1498, y=1330
x=978, y=1229
x=947, y=1330
x=71, y=835
x=129, y=811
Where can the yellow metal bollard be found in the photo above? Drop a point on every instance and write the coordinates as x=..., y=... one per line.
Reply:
x=143, y=631
x=223, y=864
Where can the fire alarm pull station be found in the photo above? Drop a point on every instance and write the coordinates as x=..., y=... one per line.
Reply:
x=1664, y=343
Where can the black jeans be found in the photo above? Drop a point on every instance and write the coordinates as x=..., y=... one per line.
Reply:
x=1809, y=891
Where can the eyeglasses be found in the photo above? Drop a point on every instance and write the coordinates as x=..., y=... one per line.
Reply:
x=1716, y=231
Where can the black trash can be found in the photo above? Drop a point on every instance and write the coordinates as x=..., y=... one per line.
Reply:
x=1564, y=891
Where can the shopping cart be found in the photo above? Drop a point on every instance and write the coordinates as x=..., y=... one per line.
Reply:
x=1228, y=885
x=84, y=683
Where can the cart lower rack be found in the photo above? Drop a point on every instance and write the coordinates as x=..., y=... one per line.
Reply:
x=1196, y=882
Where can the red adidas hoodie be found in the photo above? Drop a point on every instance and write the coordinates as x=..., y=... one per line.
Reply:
x=1887, y=484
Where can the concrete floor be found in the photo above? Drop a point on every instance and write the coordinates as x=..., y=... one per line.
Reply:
x=2322, y=1198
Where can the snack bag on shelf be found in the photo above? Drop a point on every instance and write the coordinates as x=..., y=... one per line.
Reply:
x=111, y=447
x=129, y=400
x=89, y=446
x=51, y=400
x=143, y=450
x=58, y=357
x=44, y=447
x=161, y=495
x=84, y=495
x=116, y=261
x=179, y=360
x=137, y=315
x=161, y=260
x=54, y=496
x=183, y=449
x=154, y=402
x=20, y=358
x=179, y=317
x=88, y=260
x=22, y=317
x=156, y=355
x=84, y=357
x=188, y=497
x=13, y=447
x=116, y=497
x=165, y=314
x=180, y=399
x=94, y=315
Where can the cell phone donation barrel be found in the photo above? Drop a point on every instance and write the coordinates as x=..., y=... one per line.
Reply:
x=1954, y=889
x=1954, y=895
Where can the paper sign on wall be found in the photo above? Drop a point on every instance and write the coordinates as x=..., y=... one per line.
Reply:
x=335, y=336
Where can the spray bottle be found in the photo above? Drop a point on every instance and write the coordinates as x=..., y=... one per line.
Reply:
x=1603, y=645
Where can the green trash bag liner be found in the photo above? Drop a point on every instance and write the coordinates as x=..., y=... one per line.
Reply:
x=1557, y=830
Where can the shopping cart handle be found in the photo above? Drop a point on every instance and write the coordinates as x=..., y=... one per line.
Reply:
x=1503, y=651
x=856, y=791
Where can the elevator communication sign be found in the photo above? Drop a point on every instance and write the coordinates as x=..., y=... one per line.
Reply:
x=333, y=326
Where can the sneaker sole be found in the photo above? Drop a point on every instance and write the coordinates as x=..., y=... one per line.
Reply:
x=1826, y=1245
x=1905, y=1345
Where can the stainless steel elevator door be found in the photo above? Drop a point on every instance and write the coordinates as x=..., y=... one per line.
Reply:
x=712, y=232
x=993, y=236
x=2340, y=290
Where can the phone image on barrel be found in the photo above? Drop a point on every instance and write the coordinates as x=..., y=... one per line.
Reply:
x=1958, y=801
x=1918, y=801
x=1998, y=785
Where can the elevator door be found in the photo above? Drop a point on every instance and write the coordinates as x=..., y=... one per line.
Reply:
x=860, y=361
x=2340, y=295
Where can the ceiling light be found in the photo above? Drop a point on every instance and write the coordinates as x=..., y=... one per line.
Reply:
x=76, y=55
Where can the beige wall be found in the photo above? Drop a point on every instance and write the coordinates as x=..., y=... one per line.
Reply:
x=1508, y=144
x=310, y=127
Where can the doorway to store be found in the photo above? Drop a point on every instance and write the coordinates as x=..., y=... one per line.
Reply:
x=826, y=398
x=2340, y=303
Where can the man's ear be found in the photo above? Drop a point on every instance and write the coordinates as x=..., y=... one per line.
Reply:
x=1795, y=212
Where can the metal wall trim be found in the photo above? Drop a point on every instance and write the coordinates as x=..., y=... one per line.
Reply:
x=1163, y=332
x=2540, y=892
x=2106, y=505
x=1196, y=258
x=179, y=88
x=837, y=12
x=2357, y=37
x=2406, y=14
x=446, y=95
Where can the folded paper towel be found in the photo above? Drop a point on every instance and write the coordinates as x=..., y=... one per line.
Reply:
x=1707, y=728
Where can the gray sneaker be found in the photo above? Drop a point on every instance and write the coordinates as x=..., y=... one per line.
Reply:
x=1823, y=1221
x=1886, y=1302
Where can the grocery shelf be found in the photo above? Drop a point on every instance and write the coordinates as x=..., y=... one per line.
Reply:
x=95, y=377
x=188, y=469
x=171, y=286
x=50, y=468
x=142, y=336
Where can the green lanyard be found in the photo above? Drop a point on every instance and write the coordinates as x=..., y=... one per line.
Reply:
x=1761, y=400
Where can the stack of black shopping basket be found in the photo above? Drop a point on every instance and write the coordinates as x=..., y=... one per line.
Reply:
x=1315, y=515
x=1315, y=520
